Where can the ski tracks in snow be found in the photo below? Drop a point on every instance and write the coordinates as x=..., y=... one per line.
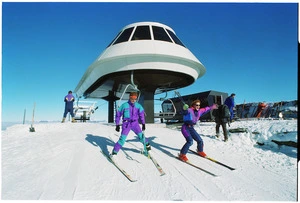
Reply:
x=51, y=164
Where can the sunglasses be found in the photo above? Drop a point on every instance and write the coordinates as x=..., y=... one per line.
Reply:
x=197, y=104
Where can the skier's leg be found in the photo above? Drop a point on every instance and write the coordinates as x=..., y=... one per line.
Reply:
x=136, y=128
x=217, y=129
x=72, y=112
x=123, y=137
x=189, y=140
x=198, y=139
x=225, y=131
x=65, y=113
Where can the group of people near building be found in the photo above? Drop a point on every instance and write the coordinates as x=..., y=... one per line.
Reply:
x=132, y=115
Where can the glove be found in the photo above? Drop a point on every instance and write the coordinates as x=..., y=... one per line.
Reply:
x=185, y=107
x=214, y=106
x=143, y=127
x=118, y=128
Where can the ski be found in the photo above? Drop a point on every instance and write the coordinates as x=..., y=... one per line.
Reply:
x=156, y=165
x=147, y=154
x=213, y=160
x=191, y=164
x=159, y=168
x=119, y=168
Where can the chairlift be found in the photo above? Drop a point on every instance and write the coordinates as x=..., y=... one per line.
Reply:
x=170, y=106
x=129, y=88
x=84, y=109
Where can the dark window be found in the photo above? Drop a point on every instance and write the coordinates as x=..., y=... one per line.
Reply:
x=124, y=37
x=142, y=33
x=219, y=100
x=114, y=39
x=175, y=38
x=160, y=34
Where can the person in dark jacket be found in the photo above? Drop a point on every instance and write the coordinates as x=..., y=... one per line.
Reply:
x=69, y=100
x=230, y=103
x=221, y=120
x=190, y=117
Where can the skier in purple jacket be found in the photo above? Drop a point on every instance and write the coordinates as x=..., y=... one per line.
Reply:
x=69, y=100
x=131, y=112
x=190, y=118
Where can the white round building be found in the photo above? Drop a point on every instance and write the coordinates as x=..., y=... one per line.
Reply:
x=147, y=55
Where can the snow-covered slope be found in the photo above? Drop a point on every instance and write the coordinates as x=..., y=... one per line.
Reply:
x=62, y=161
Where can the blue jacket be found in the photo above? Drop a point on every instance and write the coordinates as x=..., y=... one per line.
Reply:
x=130, y=112
x=229, y=102
x=69, y=100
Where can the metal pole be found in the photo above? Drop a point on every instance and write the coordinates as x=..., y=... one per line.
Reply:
x=31, y=129
x=24, y=116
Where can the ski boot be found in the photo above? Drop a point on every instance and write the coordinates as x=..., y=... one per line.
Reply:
x=183, y=157
x=202, y=154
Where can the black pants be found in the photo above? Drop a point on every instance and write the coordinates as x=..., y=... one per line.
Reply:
x=224, y=129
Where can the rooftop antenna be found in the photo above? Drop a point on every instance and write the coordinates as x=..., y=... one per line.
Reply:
x=31, y=129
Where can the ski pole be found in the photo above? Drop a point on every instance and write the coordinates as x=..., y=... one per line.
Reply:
x=180, y=97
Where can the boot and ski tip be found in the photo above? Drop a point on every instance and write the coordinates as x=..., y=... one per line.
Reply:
x=148, y=147
x=113, y=156
x=184, y=158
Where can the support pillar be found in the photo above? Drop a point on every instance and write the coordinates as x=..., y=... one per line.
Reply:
x=147, y=101
x=111, y=107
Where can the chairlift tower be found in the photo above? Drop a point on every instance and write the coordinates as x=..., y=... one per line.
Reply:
x=147, y=55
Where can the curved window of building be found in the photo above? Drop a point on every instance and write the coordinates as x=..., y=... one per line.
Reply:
x=160, y=34
x=124, y=37
x=175, y=38
x=114, y=39
x=142, y=33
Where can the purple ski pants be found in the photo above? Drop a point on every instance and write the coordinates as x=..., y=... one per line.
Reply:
x=126, y=127
x=190, y=134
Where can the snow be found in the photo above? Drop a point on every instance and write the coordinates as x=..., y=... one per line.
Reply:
x=62, y=161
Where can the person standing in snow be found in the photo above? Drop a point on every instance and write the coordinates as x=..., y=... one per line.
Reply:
x=69, y=100
x=131, y=112
x=230, y=103
x=222, y=117
x=190, y=118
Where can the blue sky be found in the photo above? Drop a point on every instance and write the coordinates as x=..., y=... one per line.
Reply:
x=247, y=48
